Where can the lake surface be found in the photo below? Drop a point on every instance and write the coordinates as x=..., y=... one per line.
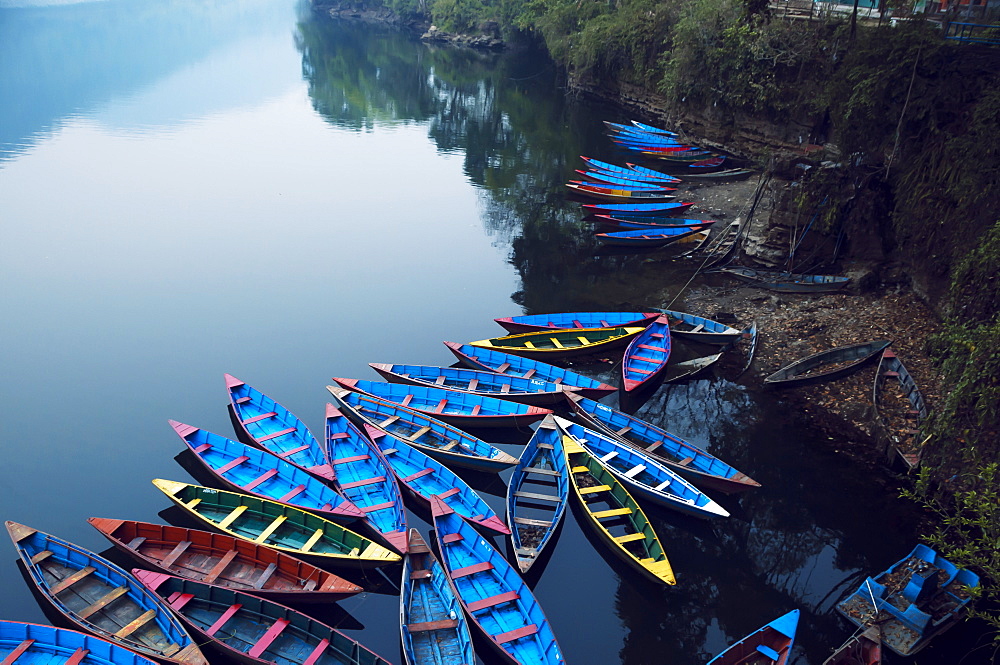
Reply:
x=194, y=188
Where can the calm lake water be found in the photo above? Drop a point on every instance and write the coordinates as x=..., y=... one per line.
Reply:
x=193, y=188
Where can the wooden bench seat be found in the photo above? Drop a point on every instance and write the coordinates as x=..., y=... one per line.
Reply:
x=362, y=482
x=219, y=567
x=70, y=580
x=223, y=618
x=481, y=567
x=540, y=497
x=262, y=416
x=103, y=602
x=232, y=464
x=261, y=645
x=275, y=435
x=517, y=634
x=426, y=626
x=493, y=601
x=288, y=453
x=136, y=624
x=261, y=479
x=530, y=522
x=18, y=651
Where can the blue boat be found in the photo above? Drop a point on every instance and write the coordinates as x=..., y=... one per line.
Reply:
x=628, y=171
x=609, y=178
x=365, y=478
x=37, y=644
x=262, y=422
x=700, y=329
x=458, y=408
x=644, y=172
x=643, y=475
x=918, y=597
x=647, y=354
x=242, y=468
x=537, y=494
x=438, y=439
x=432, y=623
x=508, y=364
x=493, y=593
x=650, y=223
x=649, y=237
x=561, y=320
x=254, y=631
x=783, y=281
x=102, y=599
x=651, y=129
x=424, y=477
x=476, y=382
x=771, y=644
x=638, y=209
x=700, y=467
x=622, y=184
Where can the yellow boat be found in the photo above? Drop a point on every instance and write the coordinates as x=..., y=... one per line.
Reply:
x=615, y=515
x=561, y=343
x=276, y=525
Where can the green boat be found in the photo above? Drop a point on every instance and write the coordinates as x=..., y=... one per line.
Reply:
x=276, y=525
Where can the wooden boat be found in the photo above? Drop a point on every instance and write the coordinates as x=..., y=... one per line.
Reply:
x=787, y=282
x=262, y=422
x=686, y=169
x=637, y=126
x=750, y=335
x=651, y=223
x=700, y=467
x=699, y=329
x=771, y=644
x=432, y=624
x=508, y=364
x=476, y=382
x=102, y=599
x=643, y=238
x=643, y=144
x=220, y=559
x=726, y=174
x=628, y=171
x=827, y=365
x=572, y=320
x=637, y=209
x=682, y=159
x=646, y=172
x=891, y=371
x=458, y=408
x=863, y=649
x=687, y=369
x=537, y=494
x=438, y=439
x=609, y=178
x=37, y=644
x=647, y=354
x=918, y=597
x=626, y=186
x=276, y=525
x=725, y=245
x=492, y=593
x=255, y=471
x=640, y=194
x=642, y=474
x=365, y=477
x=561, y=343
x=615, y=515
x=424, y=477
x=252, y=630
x=653, y=130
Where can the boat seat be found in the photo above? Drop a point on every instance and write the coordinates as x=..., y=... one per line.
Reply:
x=452, y=492
x=203, y=447
x=440, y=380
x=388, y=421
x=192, y=503
x=651, y=348
x=377, y=507
x=313, y=539
x=231, y=517
x=530, y=522
x=546, y=446
x=406, y=400
x=232, y=464
x=697, y=328
x=613, y=512
x=472, y=384
x=104, y=601
x=528, y=344
x=557, y=343
x=662, y=486
x=136, y=624
x=502, y=368
x=493, y=601
x=362, y=482
x=594, y=490
x=609, y=456
x=243, y=400
x=450, y=445
x=288, y=453
x=768, y=652
x=271, y=528
x=262, y=416
x=17, y=652
x=635, y=471
x=643, y=359
x=530, y=373
x=275, y=435
x=624, y=430
x=544, y=472
x=654, y=445
x=421, y=574
x=389, y=451
x=890, y=373
x=268, y=638
x=540, y=497
x=41, y=556
x=70, y=580
x=630, y=537
x=265, y=576
x=223, y=618
x=219, y=567
x=294, y=492
x=419, y=433
x=517, y=634
x=261, y=479
x=338, y=435
x=132, y=544
x=441, y=405
x=656, y=335
x=77, y=656
x=583, y=340
x=480, y=567
x=452, y=538
x=317, y=653
x=685, y=461
x=419, y=474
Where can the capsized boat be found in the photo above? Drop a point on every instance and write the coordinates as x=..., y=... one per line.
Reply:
x=771, y=644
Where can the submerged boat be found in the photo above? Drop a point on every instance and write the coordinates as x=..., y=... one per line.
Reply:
x=438, y=439
x=242, y=468
x=456, y=407
x=37, y=644
x=493, y=593
x=615, y=515
x=647, y=354
x=537, y=494
x=253, y=630
x=425, y=478
x=863, y=649
x=637, y=209
x=826, y=365
x=220, y=559
x=787, y=282
x=508, y=364
x=918, y=597
x=647, y=238
x=892, y=372
x=102, y=599
x=573, y=320
x=697, y=465
x=642, y=474
x=476, y=382
x=561, y=343
x=364, y=477
x=432, y=624
x=771, y=644
x=276, y=525
x=262, y=422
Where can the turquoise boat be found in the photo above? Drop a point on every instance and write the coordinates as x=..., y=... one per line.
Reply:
x=37, y=644
x=493, y=593
x=243, y=468
x=262, y=422
x=365, y=478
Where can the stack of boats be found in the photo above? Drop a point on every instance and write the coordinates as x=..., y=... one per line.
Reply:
x=286, y=508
